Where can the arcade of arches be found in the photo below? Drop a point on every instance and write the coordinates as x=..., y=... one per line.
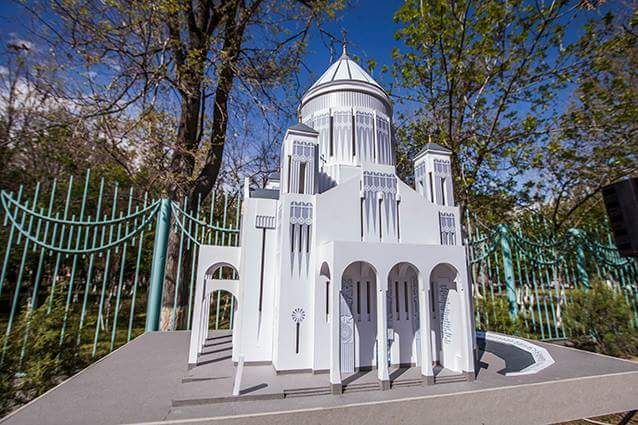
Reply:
x=360, y=317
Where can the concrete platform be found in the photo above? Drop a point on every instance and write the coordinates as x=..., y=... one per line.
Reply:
x=147, y=381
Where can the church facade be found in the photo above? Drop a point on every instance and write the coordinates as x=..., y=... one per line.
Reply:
x=342, y=266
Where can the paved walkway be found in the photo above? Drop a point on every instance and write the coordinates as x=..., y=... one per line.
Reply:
x=145, y=380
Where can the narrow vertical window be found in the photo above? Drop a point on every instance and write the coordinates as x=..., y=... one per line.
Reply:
x=405, y=297
x=396, y=297
x=301, y=227
x=361, y=216
x=302, y=177
x=292, y=238
x=431, y=187
x=308, y=239
x=432, y=303
x=297, y=340
x=332, y=147
x=368, y=297
x=289, y=167
x=354, y=145
x=442, y=190
x=358, y=298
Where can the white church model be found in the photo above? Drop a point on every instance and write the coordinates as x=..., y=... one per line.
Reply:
x=342, y=266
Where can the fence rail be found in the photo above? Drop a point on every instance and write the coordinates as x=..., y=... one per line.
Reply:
x=103, y=249
x=537, y=277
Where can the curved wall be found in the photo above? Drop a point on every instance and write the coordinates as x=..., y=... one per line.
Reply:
x=354, y=127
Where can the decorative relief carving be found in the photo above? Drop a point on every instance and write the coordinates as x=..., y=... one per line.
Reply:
x=442, y=167
x=379, y=182
x=448, y=228
x=265, y=222
x=303, y=151
x=298, y=315
x=301, y=213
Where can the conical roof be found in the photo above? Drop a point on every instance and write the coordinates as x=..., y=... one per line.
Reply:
x=345, y=69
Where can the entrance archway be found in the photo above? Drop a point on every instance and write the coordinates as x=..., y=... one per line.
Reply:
x=403, y=315
x=447, y=331
x=358, y=317
x=222, y=284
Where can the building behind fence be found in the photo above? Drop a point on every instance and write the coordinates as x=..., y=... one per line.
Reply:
x=103, y=250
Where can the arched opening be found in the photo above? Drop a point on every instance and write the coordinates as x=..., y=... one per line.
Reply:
x=403, y=315
x=222, y=282
x=445, y=311
x=223, y=308
x=358, y=317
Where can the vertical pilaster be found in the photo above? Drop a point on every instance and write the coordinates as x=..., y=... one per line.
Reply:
x=426, y=325
x=335, y=361
x=196, y=324
x=382, y=337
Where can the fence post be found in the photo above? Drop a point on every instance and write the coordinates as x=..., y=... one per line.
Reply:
x=508, y=270
x=583, y=277
x=154, y=300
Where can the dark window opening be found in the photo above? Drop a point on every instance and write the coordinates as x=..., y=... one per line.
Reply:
x=361, y=216
x=302, y=177
x=297, y=341
x=443, y=191
x=300, y=237
x=289, y=167
x=405, y=296
x=396, y=297
x=368, y=297
x=431, y=187
x=332, y=147
x=358, y=297
x=354, y=145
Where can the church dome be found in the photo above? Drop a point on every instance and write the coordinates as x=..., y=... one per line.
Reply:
x=352, y=115
x=346, y=75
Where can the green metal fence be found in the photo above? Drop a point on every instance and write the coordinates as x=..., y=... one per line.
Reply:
x=104, y=249
x=536, y=272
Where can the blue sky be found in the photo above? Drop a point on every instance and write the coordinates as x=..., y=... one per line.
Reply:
x=369, y=30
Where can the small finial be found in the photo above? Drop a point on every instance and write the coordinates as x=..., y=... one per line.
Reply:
x=429, y=137
x=344, y=43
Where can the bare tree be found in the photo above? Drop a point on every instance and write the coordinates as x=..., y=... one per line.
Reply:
x=198, y=61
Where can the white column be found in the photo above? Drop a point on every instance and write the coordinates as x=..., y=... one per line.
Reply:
x=382, y=337
x=425, y=318
x=203, y=323
x=196, y=325
x=467, y=324
x=335, y=363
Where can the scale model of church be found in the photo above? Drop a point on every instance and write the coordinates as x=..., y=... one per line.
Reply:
x=342, y=266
